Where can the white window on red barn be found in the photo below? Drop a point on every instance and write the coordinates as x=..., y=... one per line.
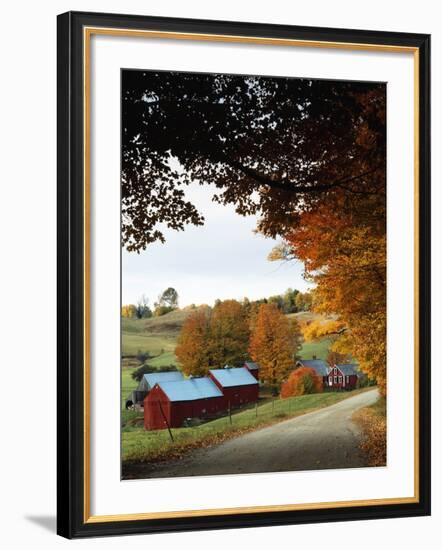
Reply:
x=330, y=380
x=340, y=379
x=336, y=379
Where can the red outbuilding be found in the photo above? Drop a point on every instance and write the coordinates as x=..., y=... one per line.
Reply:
x=253, y=368
x=169, y=404
x=237, y=384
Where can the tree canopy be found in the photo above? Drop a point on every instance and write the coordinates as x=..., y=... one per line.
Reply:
x=213, y=338
x=269, y=145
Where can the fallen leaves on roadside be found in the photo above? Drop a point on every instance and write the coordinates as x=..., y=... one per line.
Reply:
x=374, y=436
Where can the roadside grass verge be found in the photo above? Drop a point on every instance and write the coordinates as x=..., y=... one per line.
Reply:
x=373, y=422
x=139, y=445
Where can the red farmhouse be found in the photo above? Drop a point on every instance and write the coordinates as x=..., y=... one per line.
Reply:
x=343, y=377
x=171, y=403
x=237, y=384
x=253, y=368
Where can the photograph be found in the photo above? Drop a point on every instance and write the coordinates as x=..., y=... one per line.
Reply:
x=253, y=274
x=224, y=214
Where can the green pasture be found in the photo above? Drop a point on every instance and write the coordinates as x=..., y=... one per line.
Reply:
x=151, y=343
x=319, y=349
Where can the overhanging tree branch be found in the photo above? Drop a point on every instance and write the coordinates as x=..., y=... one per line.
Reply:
x=289, y=186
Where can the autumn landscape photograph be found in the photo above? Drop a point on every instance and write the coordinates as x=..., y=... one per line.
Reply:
x=253, y=274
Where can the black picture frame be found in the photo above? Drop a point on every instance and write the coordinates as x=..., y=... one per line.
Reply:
x=72, y=520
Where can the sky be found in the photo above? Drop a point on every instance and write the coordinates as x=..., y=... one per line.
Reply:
x=222, y=259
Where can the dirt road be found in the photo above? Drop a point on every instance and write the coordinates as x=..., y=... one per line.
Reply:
x=319, y=440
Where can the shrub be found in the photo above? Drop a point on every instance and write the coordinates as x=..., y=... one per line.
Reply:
x=302, y=381
x=142, y=356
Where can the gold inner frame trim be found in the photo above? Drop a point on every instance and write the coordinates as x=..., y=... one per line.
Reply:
x=134, y=33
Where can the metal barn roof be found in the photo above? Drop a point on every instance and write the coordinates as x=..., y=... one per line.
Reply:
x=155, y=377
x=230, y=377
x=251, y=366
x=191, y=389
x=320, y=366
x=349, y=369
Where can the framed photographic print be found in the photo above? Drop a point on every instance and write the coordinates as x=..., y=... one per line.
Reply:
x=243, y=274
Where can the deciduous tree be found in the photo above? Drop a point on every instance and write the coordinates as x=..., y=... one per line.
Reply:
x=297, y=336
x=193, y=344
x=213, y=338
x=129, y=311
x=229, y=334
x=345, y=255
x=272, y=345
x=302, y=381
x=143, y=310
x=303, y=301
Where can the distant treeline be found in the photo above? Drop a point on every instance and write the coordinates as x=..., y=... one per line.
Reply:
x=167, y=301
x=291, y=301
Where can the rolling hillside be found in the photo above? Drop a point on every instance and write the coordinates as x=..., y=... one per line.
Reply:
x=157, y=336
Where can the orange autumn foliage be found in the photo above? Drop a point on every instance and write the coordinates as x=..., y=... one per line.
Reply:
x=346, y=258
x=340, y=236
x=320, y=329
x=213, y=338
x=273, y=344
x=192, y=346
x=302, y=381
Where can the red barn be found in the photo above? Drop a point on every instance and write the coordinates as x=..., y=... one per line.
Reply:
x=343, y=377
x=136, y=397
x=253, y=368
x=171, y=403
x=237, y=384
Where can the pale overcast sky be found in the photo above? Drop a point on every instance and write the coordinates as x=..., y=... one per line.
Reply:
x=223, y=259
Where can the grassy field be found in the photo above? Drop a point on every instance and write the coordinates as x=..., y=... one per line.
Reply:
x=140, y=445
x=318, y=349
x=156, y=336
x=145, y=342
